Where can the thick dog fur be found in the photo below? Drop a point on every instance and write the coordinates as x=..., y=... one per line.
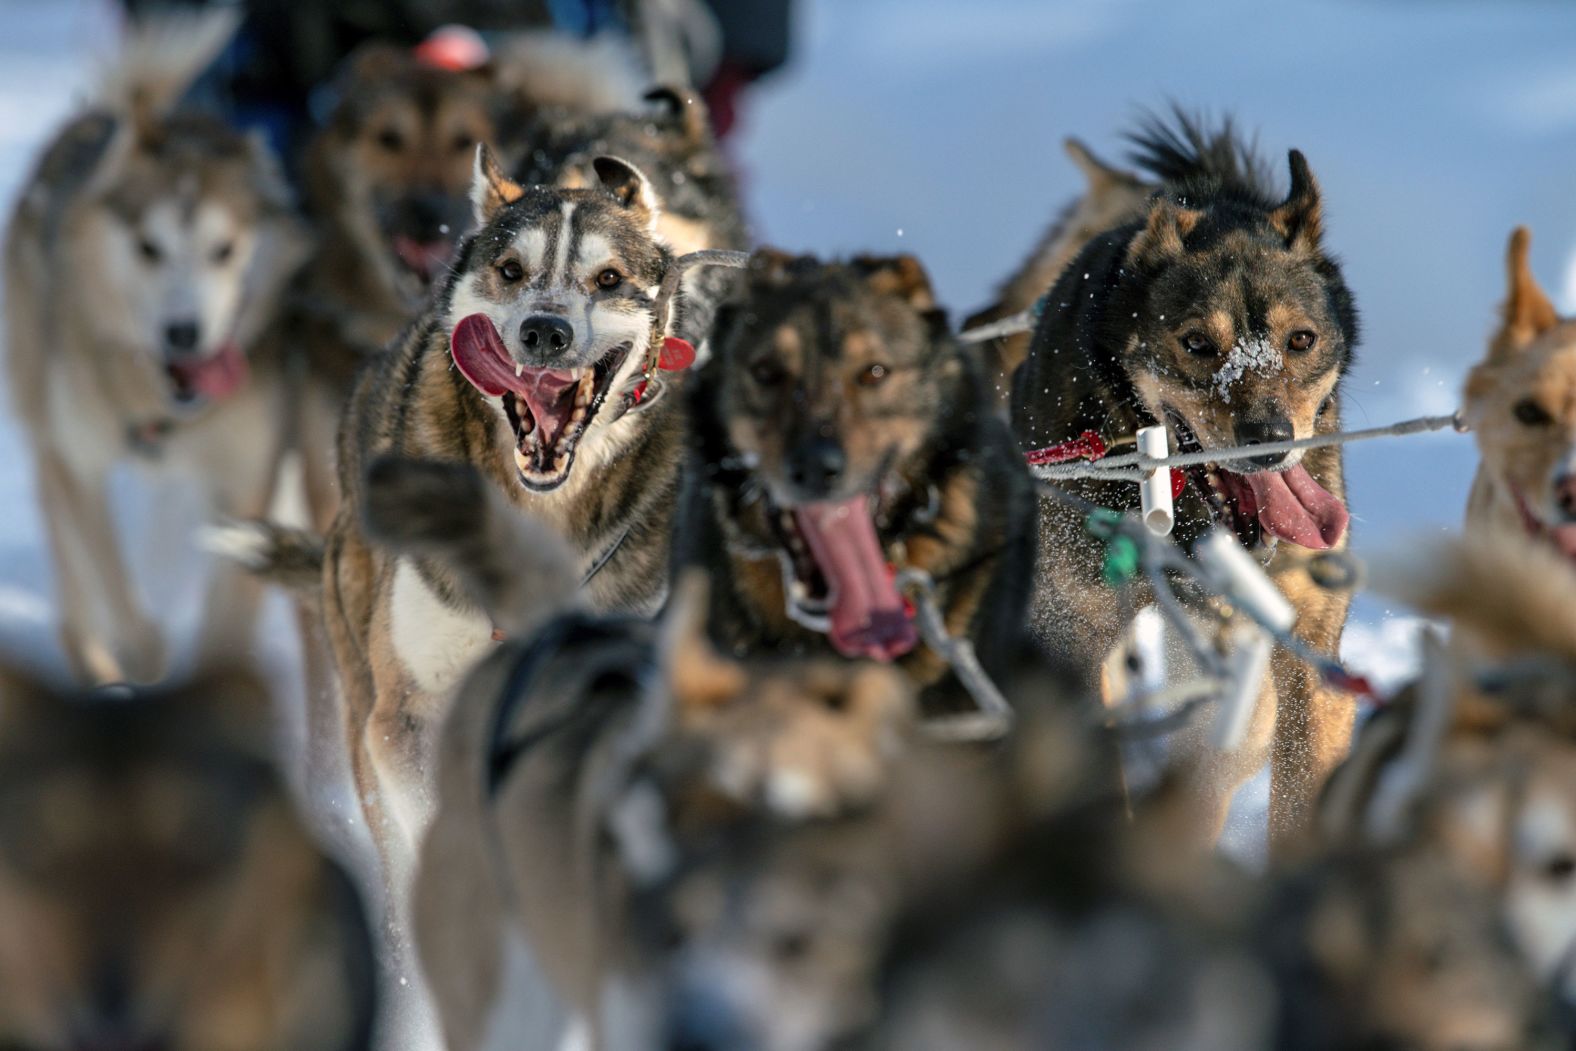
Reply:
x=402, y=633
x=157, y=888
x=835, y=380
x=1112, y=198
x=1521, y=404
x=148, y=247
x=1215, y=262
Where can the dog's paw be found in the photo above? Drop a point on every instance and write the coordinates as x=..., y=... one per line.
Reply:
x=419, y=502
x=809, y=741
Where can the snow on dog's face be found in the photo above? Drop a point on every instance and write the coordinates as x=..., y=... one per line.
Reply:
x=189, y=244
x=552, y=307
x=1241, y=338
x=1521, y=404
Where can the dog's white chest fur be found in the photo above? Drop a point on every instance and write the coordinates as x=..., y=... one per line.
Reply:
x=436, y=642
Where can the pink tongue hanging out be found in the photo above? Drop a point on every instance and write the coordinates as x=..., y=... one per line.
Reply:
x=1294, y=507
x=215, y=377
x=480, y=356
x=868, y=619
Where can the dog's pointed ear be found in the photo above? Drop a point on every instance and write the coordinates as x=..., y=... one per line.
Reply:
x=1100, y=176
x=1527, y=312
x=1162, y=236
x=698, y=676
x=629, y=186
x=491, y=189
x=898, y=275
x=683, y=109
x=1299, y=218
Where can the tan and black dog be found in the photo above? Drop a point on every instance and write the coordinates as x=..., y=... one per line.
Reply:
x=841, y=436
x=157, y=888
x=148, y=251
x=1111, y=198
x=1218, y=313
x=1521, y=404
x=525, y=366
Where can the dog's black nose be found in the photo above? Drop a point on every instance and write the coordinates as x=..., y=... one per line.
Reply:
x=545, y=335
x=181, y=336
x=814, y=466
x=1565, y=495
x=1261, y=432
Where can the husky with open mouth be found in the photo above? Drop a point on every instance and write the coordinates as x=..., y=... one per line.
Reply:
x=147, y=253
x=841, y=436
x=533, y=365
x=1218, y=313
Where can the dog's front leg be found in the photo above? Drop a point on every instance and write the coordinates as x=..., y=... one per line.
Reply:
x=1313, y=722
x=105, y=634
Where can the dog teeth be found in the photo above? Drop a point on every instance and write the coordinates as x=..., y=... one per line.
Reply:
x=584, y=391
x=519, y=370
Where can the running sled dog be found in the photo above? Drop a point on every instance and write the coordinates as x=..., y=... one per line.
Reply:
x=147, y=252
x=530, y=365
x=1217, y=312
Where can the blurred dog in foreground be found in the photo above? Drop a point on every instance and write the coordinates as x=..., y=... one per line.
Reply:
x=586, y=777
x=157, y=888
x=1521, y=405
x=1477, y=760
x=146, y=254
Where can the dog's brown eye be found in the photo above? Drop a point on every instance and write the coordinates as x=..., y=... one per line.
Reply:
x=874, y=376
x=391, y=140
x=511, y=270
x=463, y=143
x=1196, y=342
x=1561, y=867
x=609, y=279
x=1531, y=413
x=767, y=372
x=222, y=253
x=1301, y=341
x=150, y=251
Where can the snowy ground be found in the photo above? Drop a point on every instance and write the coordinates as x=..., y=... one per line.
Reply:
x=934, y=126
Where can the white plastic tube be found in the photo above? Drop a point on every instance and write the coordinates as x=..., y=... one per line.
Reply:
x=1249, y=660
x=1154, y=492
x=1244, y=580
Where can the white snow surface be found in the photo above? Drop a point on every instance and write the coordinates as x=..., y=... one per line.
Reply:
x=935, y=127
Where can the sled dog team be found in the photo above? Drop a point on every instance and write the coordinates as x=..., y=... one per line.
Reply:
x=605, y=604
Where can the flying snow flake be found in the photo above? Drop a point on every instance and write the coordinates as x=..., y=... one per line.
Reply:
x=1255, y=355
